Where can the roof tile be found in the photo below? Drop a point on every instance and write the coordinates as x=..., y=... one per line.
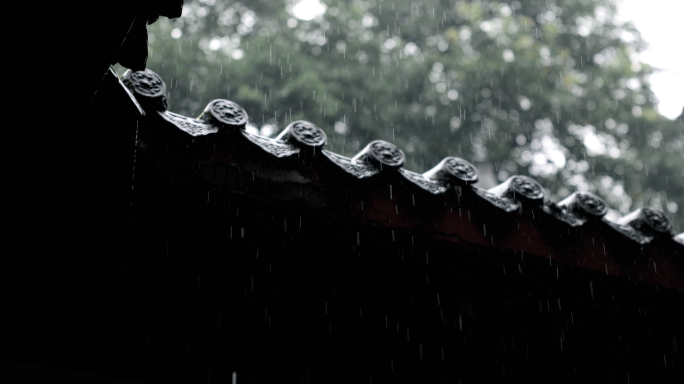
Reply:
x=381, y=162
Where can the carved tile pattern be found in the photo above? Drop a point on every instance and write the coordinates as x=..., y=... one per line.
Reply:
x=592, y=204
x=431, y=186
x=146, y=83
x=274, y=147
x=505, y=203
x=308, y=133
x=193, y=127
x=228, y=112
x=657, y=220
x=358, y=169
x=527, y=187
x=461, y=169
x=387, y=153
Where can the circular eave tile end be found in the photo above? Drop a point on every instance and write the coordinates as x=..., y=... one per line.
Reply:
x=527, y=187
x=386, y=153
x=592, y=204
x=146, y=83
x=227, y=112
x=308, y=133
x=657, y=220
x=461, y=169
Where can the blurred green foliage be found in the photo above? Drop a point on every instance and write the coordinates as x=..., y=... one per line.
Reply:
x=539, y=87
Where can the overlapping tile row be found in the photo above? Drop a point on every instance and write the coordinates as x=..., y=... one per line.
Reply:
x=382, y=161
